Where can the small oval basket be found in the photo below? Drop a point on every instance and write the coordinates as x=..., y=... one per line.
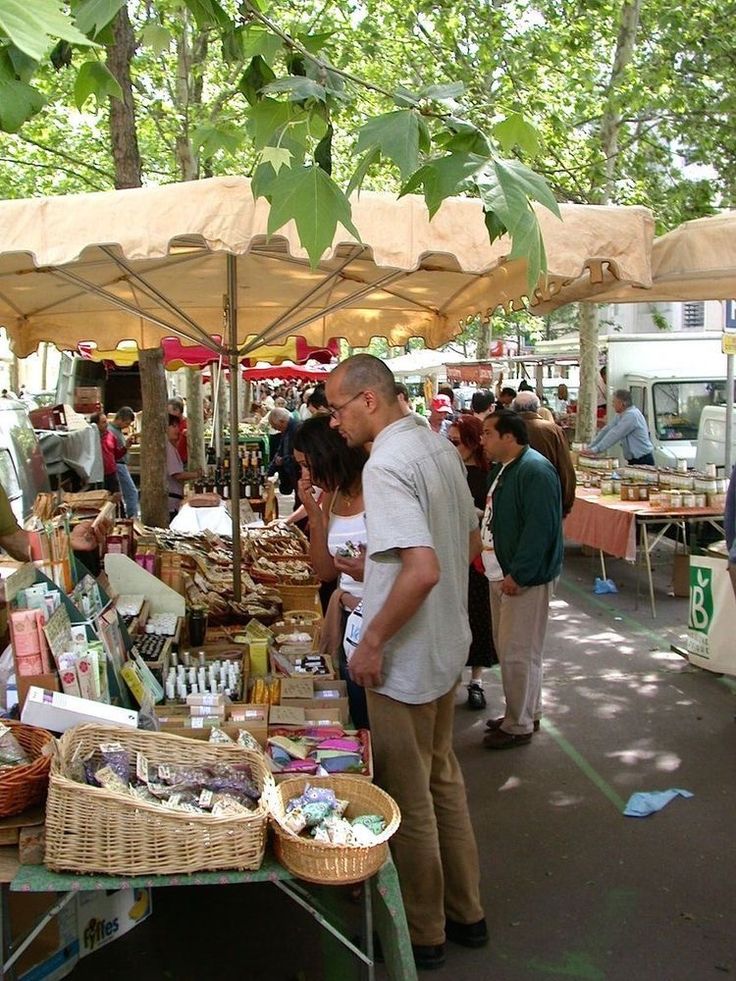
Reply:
x=323, y=862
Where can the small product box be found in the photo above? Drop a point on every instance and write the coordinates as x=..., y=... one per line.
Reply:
x=316, y=693
x=58, y=712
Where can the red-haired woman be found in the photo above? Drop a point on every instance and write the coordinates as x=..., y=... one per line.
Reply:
x=465, y=433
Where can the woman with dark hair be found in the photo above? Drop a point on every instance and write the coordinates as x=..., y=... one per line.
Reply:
x=465, y=433
x=337, y=533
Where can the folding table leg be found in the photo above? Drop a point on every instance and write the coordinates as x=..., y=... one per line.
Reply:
x=647, y=559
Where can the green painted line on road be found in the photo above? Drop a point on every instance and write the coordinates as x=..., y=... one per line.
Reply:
x=626, y=617
x=729, y=682
x=586, y=768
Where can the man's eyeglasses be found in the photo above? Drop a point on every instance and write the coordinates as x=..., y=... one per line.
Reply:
x=335, y=410
x=455, y=442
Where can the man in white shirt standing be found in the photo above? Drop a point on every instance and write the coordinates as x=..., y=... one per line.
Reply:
x=422, y=533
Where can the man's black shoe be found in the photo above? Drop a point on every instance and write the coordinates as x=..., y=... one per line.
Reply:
x=497, y=723
x=428, y=958
x=467, y=934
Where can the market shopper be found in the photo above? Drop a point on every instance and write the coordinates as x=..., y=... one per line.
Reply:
x=285, y=423
x=466, y=435
x=440, y=414
x=176, y=474
x=548, y=439
x=629, y=428
x=522, y=556
x=422, y=534
x=402, y=394
x=111, y=452
x=481, y=404
x=336, y=525
x=119, y=427
x=175, y=407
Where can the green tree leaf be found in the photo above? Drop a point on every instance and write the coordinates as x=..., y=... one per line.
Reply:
x=156, y=37
x=266, y=121
x=397, y=136
x=315, y=203
x=255, y=77
x=442, y=177
x=298, y=88
x=208, y=13
x=314, y=43
x=277, y=156
x=32, y=26
x=18, y=100
x=515, y=131
x=95, y=79
x=443, y=93
x=92, y=15
x=260, y=41
x=210, y=138
x=356, y=181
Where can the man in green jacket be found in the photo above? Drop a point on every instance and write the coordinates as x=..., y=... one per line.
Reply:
x=522, y=557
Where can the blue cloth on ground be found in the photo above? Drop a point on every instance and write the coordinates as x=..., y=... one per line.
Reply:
x=644, y=803
x=605, y=586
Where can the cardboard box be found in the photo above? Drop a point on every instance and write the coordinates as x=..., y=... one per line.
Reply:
x=58, y=712
x=297, y=730
x=55, y=951
x=285, y=665
x=310, y=693
x=175, y=719
x=681, y=574
x=49, y=682
x=105, y=916
x=291, y=715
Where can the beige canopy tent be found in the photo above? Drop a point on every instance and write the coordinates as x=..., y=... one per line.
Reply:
x=695, y=261
x=195, y=259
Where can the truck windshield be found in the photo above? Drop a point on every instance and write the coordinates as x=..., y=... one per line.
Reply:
x=679, y=404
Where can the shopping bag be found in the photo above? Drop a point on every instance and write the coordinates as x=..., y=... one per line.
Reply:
x=712, y=618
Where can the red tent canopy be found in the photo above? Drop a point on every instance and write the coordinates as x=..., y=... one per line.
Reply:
x=287, y=372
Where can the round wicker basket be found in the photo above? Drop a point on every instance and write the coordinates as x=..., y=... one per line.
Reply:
x=24, y=786
x=323, y=862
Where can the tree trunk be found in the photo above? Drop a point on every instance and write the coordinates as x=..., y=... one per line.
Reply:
x=14, y=374
x=483, y=343
x=123, y=131
x=128, y=173
x=585, y=424
x=154, y=504
x=610, y=127
x=195, y=419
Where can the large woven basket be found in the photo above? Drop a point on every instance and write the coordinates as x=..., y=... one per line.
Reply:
x=322, y=862
x=23, y=786
x=89, y=829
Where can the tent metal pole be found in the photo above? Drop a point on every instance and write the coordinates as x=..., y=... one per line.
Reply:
x=728, y=456
x=232, y=317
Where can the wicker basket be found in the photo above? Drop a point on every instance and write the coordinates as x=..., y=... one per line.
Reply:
x=303, y=597
x=23, y=786
x=302, y=617
x=89, y=829
x=322, y=862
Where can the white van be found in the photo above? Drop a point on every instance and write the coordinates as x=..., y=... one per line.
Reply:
x=711, y=446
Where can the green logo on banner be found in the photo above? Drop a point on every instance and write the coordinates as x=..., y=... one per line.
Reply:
x=701, y=599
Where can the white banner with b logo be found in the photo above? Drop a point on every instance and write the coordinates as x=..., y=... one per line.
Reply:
x=711, y=635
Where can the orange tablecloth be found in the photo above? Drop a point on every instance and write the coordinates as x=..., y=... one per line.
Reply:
x=606, y=524
x=610, y=525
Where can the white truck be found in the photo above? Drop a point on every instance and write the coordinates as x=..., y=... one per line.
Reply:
x=672, y=377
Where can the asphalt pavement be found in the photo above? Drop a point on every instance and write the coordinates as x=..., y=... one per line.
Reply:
x=573, y=889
